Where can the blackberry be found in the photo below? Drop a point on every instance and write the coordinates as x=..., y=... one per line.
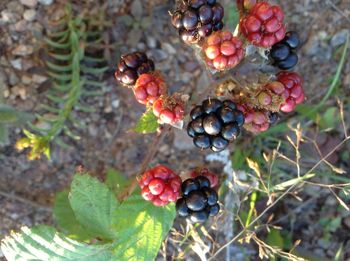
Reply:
x=215, y=124
x=283, y=54
x=198, y=201
x=197, y=19
x=131, y=66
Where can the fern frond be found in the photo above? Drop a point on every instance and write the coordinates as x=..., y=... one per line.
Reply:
x=72, y=75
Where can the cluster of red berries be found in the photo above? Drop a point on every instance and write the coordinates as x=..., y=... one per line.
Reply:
x=195, y=198
x=136, y=71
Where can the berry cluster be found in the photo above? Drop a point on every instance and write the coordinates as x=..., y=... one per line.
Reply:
x=214, y=124
x=213, y=178
x=222, y=50
x=263, y=25
x=197, y=19
x=160, y=185
x=283, y=54
x=198, y=200
x=137, y=71
x=131, y=66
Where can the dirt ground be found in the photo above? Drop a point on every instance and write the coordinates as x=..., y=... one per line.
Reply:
x=27, y=187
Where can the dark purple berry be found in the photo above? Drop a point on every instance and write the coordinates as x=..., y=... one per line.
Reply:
x=190, y=20
x=205, y=30
x=196, y=112
x=212, y=196
x=202, y=141
x=292, y=39
x=199, y=216
x=230, y=132
x=218, y=13
x=211, y=124
x=182, y=208
x=279, y=52
x=273, y=117
x=197, y=3
x=239, y=116
x=188, y=186
x=190, y=131
x=288, y=63
x=122, y=66
x=205, y=14
x=226, y=114
x=211, y=2
x=230, y=104
x=129, y=77
x=131, y=60
x=214, y=210
x=219, y=143
x=203, y=182
x=197, y=126
x=211, y=105
x=188, y=36
x=196, y=200
x=218, y=26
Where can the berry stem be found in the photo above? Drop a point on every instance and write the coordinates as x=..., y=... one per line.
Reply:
x=151, y=153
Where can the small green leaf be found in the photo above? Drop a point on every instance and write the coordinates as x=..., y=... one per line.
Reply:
x=147, y=124
x=94, y=205
x=115, y=181
x=141, y=228
x=65, y=218
x=44, y=243
x=291, y=182
x=330, y=118
x=275, y=239
x=4, y=134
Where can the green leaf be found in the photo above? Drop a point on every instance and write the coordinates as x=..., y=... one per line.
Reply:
x=141, y=228
x=330, y=118
x=4, y=134
x=65, y=218
x=147, y=124
x=44, y=243
x=275, y=239
x=232, y=18
x=115, y=181
x=94, y=205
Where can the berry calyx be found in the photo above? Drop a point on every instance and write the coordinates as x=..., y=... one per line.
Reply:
x=149, y=87
x=160, y=185
x=169, y=109
x=223, y=51
x=294, y=93
x=215, y=124
x=264, y=25
x=131, y=66
x=198, y=201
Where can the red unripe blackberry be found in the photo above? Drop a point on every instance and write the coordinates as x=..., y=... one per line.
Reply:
x=160, y=185
x=197, y=19
x=263, y=25
x=223, y=51
x=131, y=66
x=149, y=87
x=294, y=93
x=169, y=109
x=256, y=120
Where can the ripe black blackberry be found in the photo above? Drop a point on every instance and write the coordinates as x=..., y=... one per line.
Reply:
x=283, y=54
x=198, y=200
x=131, y=66
x=197, y=19
x=214, y=124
